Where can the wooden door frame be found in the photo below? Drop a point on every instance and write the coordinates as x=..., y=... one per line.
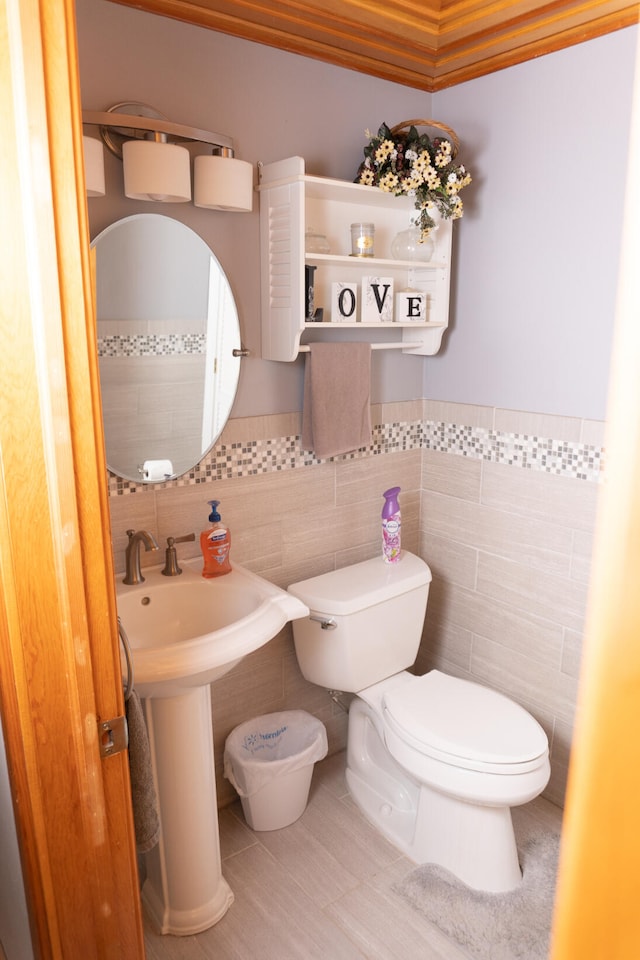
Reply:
x=59, y=659
x=59, y=664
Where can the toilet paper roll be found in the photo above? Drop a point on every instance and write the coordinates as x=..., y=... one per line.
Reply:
x=157, y=469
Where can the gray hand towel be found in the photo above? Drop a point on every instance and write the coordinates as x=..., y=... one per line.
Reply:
x=336, y=413
x=143, y=792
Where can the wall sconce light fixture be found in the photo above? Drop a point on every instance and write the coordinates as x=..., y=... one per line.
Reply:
x=93, y=167
x=221, y=181
x=157, y=168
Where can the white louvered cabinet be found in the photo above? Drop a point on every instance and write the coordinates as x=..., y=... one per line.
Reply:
x=292, y=203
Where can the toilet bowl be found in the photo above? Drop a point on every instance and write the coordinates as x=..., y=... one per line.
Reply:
x=434, y=762
x=446, y=806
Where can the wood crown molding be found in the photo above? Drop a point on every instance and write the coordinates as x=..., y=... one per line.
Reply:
x=426, y=44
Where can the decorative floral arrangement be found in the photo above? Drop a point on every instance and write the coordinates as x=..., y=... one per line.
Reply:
x=414, y=165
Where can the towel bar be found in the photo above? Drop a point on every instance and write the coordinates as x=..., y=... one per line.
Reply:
x=395, y=345
x=128, y=687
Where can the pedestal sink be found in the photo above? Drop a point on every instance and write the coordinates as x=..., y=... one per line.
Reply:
x=185, y=632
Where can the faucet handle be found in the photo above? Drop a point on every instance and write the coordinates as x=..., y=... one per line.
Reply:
x=187, y=537
x=171, y=568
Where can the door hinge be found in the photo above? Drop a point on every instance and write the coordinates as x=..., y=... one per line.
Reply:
x=113, y=736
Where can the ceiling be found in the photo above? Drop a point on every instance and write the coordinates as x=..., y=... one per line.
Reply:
x=426, y=44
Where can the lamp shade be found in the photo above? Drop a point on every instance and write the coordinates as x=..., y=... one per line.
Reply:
x=93, y=167
x=156, y=171
x=223, y=183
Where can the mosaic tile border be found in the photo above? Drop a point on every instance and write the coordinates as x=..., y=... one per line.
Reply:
x=578, y=461
x=151, y=345
x=231, y=461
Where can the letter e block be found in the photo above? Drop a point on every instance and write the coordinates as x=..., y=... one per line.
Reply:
x=411, y=307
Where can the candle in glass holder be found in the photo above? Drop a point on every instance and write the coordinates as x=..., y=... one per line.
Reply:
x=362, y=239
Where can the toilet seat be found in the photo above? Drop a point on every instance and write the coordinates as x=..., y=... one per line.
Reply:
x=464, y=724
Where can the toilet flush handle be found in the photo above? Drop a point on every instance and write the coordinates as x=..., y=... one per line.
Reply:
x=324, y=623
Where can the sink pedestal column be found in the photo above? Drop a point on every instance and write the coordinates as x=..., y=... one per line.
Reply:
x=184, y=892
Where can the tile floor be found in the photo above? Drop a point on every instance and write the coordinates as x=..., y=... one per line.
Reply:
x=321, y=888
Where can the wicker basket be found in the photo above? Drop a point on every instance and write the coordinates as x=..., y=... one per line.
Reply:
x=432, y=124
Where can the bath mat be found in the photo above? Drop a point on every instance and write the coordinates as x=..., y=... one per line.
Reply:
x=492, y=926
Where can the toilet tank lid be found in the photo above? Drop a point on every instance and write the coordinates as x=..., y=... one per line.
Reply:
x=350, y=589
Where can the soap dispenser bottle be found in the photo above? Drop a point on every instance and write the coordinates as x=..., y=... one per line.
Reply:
x=391, y=526
x=215, y=543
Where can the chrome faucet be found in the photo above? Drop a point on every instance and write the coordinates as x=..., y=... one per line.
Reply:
x=133, y=573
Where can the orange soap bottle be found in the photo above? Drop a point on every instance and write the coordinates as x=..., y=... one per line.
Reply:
x=215, y=543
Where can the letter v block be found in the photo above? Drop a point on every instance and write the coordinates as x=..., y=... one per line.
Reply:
x=377, y=300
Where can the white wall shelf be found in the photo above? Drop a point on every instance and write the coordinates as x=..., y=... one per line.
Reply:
x=343, y=260
x=290, y=204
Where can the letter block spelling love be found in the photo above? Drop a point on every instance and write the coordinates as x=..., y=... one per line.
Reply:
x=377, y=299
x=411, y=307
x=344, y=302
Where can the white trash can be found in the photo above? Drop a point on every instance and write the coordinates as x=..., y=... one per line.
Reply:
x=269, y=760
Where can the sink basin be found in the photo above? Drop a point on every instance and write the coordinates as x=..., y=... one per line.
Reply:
x=186, y=631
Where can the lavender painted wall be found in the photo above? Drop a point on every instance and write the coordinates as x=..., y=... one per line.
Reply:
x=274, y=105
x=536, y=255
x=538, y=250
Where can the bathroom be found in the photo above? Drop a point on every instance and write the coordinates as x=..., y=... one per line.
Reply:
x=525, y=355
x=516, y=360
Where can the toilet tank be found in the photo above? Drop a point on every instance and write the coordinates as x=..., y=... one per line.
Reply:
x=373, y=612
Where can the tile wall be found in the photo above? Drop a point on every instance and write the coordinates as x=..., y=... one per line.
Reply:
x=159, y=408
x=507, y=532
x=500, y=504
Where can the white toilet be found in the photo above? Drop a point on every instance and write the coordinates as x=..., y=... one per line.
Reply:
x=434, y=762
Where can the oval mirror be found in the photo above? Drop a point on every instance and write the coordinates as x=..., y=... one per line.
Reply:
x=167, y=329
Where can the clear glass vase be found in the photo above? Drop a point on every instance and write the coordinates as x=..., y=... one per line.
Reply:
x=406, y=245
